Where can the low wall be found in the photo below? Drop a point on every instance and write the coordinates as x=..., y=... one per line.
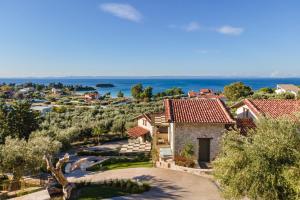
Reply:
x=171, y=165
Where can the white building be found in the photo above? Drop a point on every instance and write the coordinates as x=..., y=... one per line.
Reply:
x=283, y=88
x=42, y=109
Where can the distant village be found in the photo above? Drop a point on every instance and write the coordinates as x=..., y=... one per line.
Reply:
x=169, y=130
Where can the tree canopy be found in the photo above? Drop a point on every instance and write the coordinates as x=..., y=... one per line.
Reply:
x=262, y=165
x=17, y=120
x=19, y=157
x=237, y=90
x=138, y=92
x=120, y=94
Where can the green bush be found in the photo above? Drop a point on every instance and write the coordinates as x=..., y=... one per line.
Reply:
x=265, y=164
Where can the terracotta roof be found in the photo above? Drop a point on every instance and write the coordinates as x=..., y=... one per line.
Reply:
x=197, y=111
x=211, y=96
x=205, y=90
x=192, y=94
x=137, y=131
x=273, y=108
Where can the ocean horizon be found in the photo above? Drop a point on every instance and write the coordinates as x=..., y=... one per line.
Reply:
x=159, y=84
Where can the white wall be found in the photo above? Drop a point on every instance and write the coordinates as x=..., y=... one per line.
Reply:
x=148, y=125
x=171, y=136
x=240, y=112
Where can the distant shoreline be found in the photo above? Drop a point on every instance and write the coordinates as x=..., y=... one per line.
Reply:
x=149, y=77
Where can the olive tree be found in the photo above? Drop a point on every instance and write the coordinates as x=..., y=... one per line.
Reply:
x=237, y=90
x=20, y=157
x=262, y=165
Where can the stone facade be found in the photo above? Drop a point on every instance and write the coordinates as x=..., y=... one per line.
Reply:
x=190, y=133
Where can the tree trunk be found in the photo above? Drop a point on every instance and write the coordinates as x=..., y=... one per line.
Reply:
x=58, y=174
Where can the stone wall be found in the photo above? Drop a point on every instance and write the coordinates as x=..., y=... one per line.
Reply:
x=172, y=166
x=190, y=132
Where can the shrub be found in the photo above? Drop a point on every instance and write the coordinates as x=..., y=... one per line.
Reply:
x=266, y=160
x=184, y=161
x=237, y=90
x=187, y=151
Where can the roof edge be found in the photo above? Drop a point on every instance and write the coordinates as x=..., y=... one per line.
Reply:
x=224, y=108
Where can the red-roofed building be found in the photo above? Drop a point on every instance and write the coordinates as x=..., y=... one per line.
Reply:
x=143, y=130
x=206, y=91
x=91, y=96
x=206, y=94
x=200, y=122
x=249, y=111
x=273, y=108
x=192, y=94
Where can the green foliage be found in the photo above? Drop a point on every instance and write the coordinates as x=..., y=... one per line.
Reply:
x=140, y=160
x=147, y=94
x=120, y=94
x=17, y=120
x=98, y=131
x=262, y=165
x=60, y=109
x=77, y=123
x=136, y=91
x=18, y=156
x=175, y=91
x=266, y=90
x=109, y=188
x=236, y=91
x=288, y=95
x=187, y=151
x=119, y=126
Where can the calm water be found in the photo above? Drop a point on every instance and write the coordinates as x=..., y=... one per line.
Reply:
x=160, y=84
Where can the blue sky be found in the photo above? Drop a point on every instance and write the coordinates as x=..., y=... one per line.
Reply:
x=149, y=37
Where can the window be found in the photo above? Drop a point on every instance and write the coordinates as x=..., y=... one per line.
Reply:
x=246, y=113
x=144, y=122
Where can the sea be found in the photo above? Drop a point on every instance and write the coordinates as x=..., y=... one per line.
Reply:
x=158, y=84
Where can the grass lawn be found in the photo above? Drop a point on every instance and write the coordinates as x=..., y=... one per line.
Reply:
x=129, y=165
x=120, y=165
x=93, y=192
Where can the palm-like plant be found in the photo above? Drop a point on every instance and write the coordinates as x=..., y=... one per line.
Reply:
x=97, y=131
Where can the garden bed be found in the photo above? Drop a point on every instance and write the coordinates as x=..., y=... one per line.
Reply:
x=108, y=189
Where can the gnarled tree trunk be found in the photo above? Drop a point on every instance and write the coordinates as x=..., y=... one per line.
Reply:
x=58, y=174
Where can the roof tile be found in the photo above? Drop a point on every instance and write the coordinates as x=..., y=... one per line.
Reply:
x=137, y=131
x=197, y=111
x=274, y=108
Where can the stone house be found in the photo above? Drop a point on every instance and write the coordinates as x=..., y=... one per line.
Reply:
x=200, y=122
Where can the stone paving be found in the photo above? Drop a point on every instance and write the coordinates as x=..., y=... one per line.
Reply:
x=135, y=147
